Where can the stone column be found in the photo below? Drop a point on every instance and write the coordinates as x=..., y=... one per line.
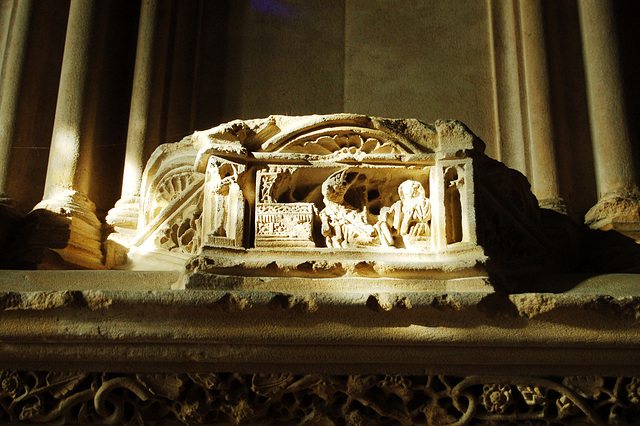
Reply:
x=10, y=85
x=6, y=7
x=509, y=122
x=14, y=48
x=144, y=129
x=65, y=203
x=544, y=176
x=619, y=198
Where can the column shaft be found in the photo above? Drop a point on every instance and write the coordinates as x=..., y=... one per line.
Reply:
x=544, y=176
x=140, y=132
x=612, y=150
x=66, y=217
x=618, y=206
x=507, y=91
x=10, y=85
x=145, y=121
x=70, y=155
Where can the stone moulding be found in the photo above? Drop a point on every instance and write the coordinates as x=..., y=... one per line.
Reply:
x=406, y=332
x=343, y=198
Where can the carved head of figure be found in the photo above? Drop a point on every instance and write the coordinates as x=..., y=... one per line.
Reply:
x=411, y=189
x=336, y=186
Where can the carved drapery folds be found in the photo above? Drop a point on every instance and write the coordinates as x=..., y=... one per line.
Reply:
x=340, y=196
x=212, y=398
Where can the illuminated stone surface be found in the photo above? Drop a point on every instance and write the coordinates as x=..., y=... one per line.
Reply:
x=284, y=201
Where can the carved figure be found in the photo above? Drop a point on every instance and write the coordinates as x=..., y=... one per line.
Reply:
x=224, y=183
x=410, y=217
x=342, y=224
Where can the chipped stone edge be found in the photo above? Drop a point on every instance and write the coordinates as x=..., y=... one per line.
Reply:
x=492, y=305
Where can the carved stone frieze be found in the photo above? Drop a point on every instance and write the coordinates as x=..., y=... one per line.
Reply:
x=212, y=398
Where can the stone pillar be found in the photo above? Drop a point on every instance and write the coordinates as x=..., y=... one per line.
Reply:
x=10, y=84
x=6, y=7
x=144, y=130
x=509, y=121
x=14, y=47
x=544, y=176
x=141, y=133
x=65, y=203
x=619, y=198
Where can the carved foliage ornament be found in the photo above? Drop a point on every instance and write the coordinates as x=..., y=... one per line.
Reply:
x=211, y=398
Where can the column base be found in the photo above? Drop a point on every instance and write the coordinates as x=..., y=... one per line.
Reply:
x=67, y=225
x=618, y=212
x=123, y=221
x=555, y=204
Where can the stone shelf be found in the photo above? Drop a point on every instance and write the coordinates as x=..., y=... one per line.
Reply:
x=591, y=329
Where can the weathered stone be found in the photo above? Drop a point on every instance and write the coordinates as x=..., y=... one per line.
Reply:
x=283, y=201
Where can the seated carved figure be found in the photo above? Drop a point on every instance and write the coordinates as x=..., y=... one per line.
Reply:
x=342, y=224
x=409, y=217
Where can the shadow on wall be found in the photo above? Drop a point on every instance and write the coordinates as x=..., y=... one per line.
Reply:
x=528, y=246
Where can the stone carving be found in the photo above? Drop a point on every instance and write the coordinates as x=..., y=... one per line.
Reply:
x=410, y=217
x=352, y=144
x=285, y=195
x=184, y=233
x=284, y=224
x=343, y=225
x=224, y=204
x=212, y=398
x=281, y=224
x=318, y=183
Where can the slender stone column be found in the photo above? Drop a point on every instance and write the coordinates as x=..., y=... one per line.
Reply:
x=619, y=199
x=14, y=48
x=144, y=126
x=10, y=85
x=6, y=8
x=544, y=176
x=507, y=85
x=140, y=123
x=65, y=202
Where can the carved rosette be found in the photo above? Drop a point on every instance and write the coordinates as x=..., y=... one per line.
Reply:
x=232, y=398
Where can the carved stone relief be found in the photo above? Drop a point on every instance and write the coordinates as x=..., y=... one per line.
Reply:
x=213, y=398
x=280, y=196
x=224, y=204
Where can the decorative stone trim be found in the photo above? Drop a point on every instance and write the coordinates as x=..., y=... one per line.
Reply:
x=209, y=398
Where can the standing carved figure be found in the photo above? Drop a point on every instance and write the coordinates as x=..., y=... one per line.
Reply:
x=224, y=185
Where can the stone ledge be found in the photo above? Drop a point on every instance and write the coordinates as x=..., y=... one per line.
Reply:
x=592, y=329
